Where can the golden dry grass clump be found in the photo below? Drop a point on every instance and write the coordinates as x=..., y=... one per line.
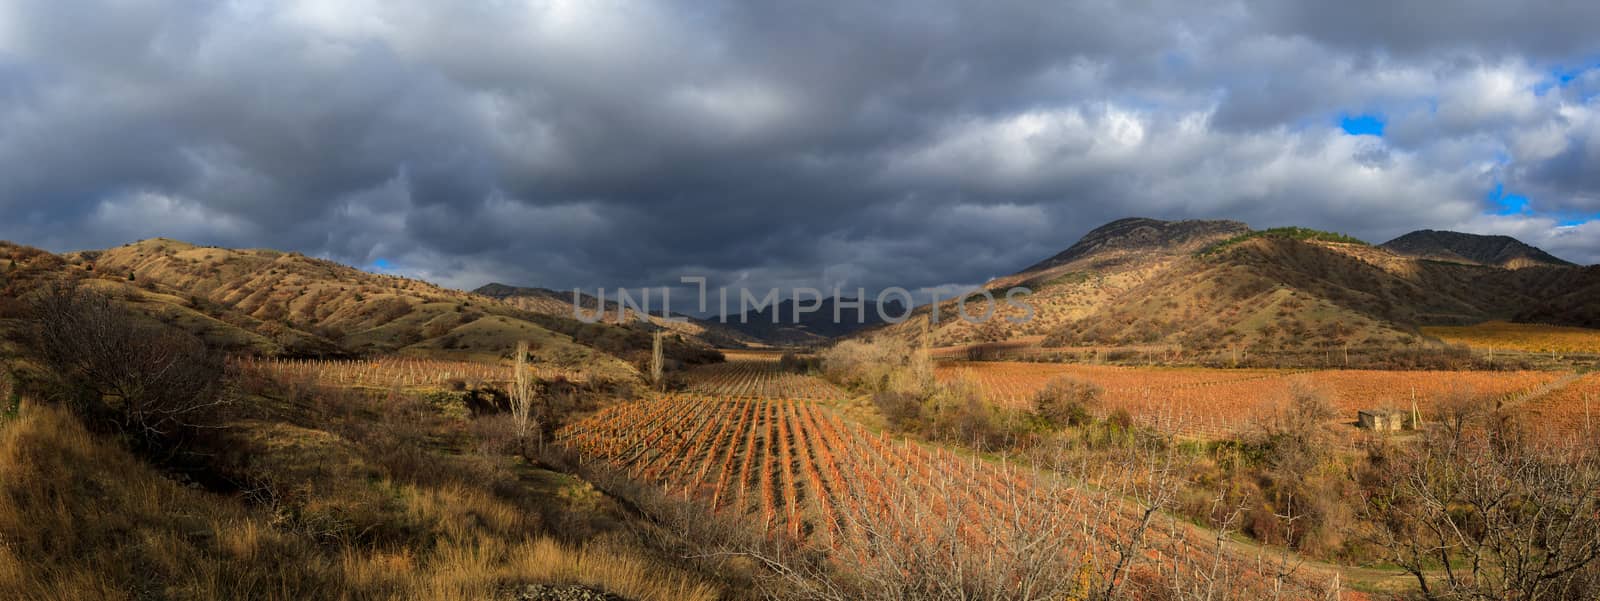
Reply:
x=81, y=518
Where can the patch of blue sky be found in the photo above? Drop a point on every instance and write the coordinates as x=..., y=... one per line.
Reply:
x=1560, y=77
x=1507, y=203
x=1366, y=124
x=1576, y=219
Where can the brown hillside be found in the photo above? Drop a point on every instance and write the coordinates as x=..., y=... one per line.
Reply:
x=25, y=270
x=559, y=304
x=278, y=303
x=1106, y=264
x=1204, y=285
x=367, y=313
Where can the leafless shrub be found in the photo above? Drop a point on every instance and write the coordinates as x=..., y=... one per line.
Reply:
x=1067, y=401
x=959, y=414
x=1475, y=512
x=886, y=364
x=1301, y=494
x=795, y=363
x=522, y=396
x=656, y=360
x=154, y=383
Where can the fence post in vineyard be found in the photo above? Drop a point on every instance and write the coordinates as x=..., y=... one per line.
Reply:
x=1416, y=415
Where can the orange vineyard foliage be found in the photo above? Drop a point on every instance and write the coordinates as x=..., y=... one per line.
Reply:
x=1533, y=338
x=803, y=472
x=759, y=379
x=1572, y=413
x=1214, y=403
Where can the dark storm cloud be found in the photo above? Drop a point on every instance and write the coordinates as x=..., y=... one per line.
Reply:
x=1555, y=30
x=853, y=144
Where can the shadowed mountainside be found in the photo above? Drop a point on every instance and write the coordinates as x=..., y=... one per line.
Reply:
x=1475, y=249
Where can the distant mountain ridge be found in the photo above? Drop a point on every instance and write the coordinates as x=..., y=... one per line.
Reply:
x=1476, y=249
x=559, y=304
x=1220, y=285
x=752, y=329
x=1144, y=234
x=1135, y=282
x=812, y=327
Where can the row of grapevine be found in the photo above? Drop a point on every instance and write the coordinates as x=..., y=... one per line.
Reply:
x=806, y=474
x=385, y=372
x=1569, y=414
x=1217, y=402
x=758, y=379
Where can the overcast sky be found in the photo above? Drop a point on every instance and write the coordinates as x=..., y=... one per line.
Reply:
x=596, y=143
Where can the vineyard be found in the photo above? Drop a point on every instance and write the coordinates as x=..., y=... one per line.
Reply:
x=758, y=379
x=1572, y=413
x=1533, y=338
x=389, y=372
x=1214, y=403
x=803, y=473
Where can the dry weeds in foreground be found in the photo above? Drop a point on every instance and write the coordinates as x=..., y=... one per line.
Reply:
x=81, y=518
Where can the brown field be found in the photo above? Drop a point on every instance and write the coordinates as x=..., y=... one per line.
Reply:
x=404, y=372
x=744, y=378
x=1031, y=348
x=1533, y=338
x=1221, y=402
x=1572, y=413
x=802, y=473
x=752, y=355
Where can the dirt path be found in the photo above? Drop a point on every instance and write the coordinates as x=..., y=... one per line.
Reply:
x=1540, y=392
x=1351, y=578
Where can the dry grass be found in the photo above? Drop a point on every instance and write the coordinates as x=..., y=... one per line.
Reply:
x=80, y=518
x=471, y=571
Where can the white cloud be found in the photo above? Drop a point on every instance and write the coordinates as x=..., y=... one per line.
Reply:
x=1577, y=243
x=148, y=214
x=1490, y=95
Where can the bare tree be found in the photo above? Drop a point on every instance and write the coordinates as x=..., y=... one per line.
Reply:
x=656, y=359
x=152, y=382
x=522, y=396
x=1477, y=510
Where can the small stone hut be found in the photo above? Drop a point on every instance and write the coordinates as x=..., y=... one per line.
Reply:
x=1384, y=420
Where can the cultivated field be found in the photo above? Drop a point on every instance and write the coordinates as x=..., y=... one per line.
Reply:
x=1220, y=402
x=803, y=473
x=1572, y=413
x=1533, y=338
x=390, y=372
x=759, y=378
